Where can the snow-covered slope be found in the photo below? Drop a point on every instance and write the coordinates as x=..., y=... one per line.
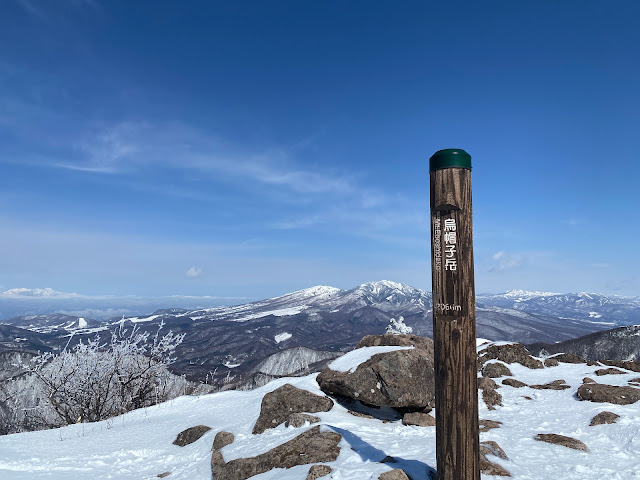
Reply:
x=138, y=445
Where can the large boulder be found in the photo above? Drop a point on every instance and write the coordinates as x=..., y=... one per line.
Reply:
x=604, y=418
x=400, y=379
x=495, y=370
x=277, y=406
x=490, y=396
x=312, y=446
x=509, y=353
x=597, y=392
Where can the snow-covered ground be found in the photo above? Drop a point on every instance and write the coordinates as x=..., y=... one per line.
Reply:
x=138, y=445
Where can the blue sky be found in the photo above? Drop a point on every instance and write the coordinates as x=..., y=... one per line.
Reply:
x=254, y=148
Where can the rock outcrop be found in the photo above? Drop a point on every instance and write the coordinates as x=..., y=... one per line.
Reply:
x=509, y=353
x=399, y=379
x=312, y=446
x=495, y=370
x=190, y=435
x=277, y=406
x=562, y=440
x=419, y=419
x=597, y=392
x=222, y=439
x=488, y=467
x=489, y=394
x=604, y=418
x=318, y=471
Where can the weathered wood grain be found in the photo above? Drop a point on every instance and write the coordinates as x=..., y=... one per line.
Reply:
x=454, y=328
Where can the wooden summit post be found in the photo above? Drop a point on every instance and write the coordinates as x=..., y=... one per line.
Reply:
x=454, y=317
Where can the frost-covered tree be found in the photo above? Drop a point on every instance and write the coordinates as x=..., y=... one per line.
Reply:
x=397, y=327
x=93, y=381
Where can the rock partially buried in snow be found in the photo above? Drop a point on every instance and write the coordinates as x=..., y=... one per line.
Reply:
x=396, y=474
x=487, y=467
x=562, y=440
x=277, y=406
x=627, y=365
x=312, y=446
x=609, y=371
x=509, y=353
x=486, y=425
x=489, y=394
x=391, y=340
x=190, y=435
x=567, y=358
x=222, y=439
x=400, y=378
x=317, y=471
x=604, y=418
x=555, y=385
x=495, y=370
x=588, y=380
x=597, y=392
x=298, y=420
x=418, y=419
x=512, y=382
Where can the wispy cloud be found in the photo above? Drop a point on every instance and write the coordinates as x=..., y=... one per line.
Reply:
x=194, y=272
x=507, y=261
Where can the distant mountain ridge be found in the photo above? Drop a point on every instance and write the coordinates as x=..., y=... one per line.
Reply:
x=242, y=341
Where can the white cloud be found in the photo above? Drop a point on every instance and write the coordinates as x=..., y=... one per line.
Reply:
x=194, y=272
x=507, y=261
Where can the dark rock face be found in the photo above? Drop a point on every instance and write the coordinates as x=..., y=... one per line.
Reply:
x=555, y=385
x=569, y=358
x=400, y=379
x=597, y=392
x=487, y=467
x=312, y=446
x=510, y=353
x=222, y=440
x=604, y=418
x=495, y=370
x=562, y=440
x=489, y=394
x=278, y=405
x=609, y=371
x=396, y=474
x=190, y=435
x=317, y=471
x=512, y=382
x=298, y=420
x=486, y=425
x=418, y=419
x=633, y=366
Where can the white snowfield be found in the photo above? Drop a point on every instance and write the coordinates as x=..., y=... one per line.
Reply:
x=138, y=445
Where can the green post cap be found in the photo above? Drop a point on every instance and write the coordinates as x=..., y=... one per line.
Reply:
x=450, y=157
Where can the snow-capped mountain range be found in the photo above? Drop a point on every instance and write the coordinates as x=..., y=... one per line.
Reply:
x=247, y=341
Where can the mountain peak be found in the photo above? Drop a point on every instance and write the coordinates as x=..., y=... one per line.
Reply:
x=34, y=292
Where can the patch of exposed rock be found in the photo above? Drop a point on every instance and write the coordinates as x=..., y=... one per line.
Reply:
x=489, y=394
x=419, y=419
x=604, y=418
x=627, y=365
x=298, y=420
x=597, y=392
x=312, y=446
x=222, y=439
x=588, y=380
x=277, y=406
x=555, y=385
x=399, y=379
x=486, y=425
x=495, y=370
x=609, y=371
x=396, y=474
x=551, y=362
x=190, y=435
x=317, y=471
x=487, y=467
x=512, y=382
x=391, y=340
x=509, y=353
x=568, y=358
x=562, y=440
